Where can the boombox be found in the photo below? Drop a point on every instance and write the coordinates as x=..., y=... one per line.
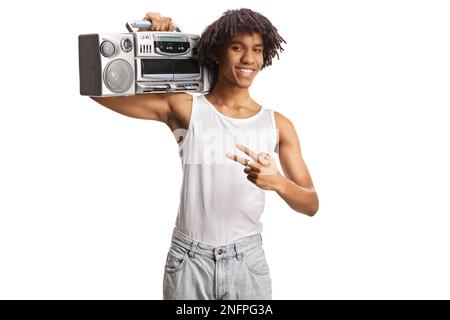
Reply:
x=119, y=64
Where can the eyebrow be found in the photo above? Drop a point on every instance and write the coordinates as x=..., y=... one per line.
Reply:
x=241, y=43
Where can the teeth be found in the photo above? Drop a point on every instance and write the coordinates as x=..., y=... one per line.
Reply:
x=246, y=70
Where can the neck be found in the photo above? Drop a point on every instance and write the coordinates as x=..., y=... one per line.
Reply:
x=229, y=95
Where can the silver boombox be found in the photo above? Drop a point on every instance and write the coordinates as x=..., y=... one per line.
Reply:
x=120, y=64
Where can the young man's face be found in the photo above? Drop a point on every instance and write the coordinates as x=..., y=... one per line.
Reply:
x=241, y=59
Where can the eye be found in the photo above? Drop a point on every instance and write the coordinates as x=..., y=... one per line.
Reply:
x=236, y=48
x=258, y=50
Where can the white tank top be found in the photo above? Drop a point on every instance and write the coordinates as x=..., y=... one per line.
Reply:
x=218, y=205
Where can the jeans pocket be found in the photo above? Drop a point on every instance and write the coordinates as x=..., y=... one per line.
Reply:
x=255, y=260
x=176, y=259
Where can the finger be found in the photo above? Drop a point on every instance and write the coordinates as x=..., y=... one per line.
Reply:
x=164, y=24
x=254, y=167
x=247, y=151
x=250, y=172
x=158, y=25
x=171, y=26
x=154, y=25
x=251, y=179
x=236, y=158
x=167, y=23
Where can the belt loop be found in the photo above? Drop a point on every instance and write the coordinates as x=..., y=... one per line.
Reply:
x=192, y=249
x=239, y=253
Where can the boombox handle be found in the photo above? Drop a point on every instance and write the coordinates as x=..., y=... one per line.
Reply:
x=143, y=24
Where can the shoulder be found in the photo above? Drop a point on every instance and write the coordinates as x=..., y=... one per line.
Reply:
x=285, y=127
x=281, y=120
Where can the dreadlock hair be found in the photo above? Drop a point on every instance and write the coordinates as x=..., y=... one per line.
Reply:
x=233, y=22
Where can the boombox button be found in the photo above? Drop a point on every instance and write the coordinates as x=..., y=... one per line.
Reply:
x=107, y=49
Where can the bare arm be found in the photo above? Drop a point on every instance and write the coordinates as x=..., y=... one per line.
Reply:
x=155, y=106
x=296, y=188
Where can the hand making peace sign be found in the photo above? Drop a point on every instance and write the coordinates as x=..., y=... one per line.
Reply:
x=263, y=172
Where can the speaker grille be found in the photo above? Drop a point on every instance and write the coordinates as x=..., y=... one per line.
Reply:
x=119, y=76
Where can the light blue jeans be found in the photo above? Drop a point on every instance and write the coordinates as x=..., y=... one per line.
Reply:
x=197, y=271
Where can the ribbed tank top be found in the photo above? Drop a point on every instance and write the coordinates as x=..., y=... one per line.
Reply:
x=218, y=204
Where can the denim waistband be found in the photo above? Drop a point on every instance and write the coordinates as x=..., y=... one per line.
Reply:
x=235, y=249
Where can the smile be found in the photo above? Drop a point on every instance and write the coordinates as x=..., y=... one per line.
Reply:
x=245, y=71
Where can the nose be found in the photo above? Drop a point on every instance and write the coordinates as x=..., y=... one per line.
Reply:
x=247, y=57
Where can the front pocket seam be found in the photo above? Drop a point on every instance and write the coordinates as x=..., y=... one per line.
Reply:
x=261, y=273
x=180, y=266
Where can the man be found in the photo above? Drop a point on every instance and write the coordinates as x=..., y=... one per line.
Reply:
x=216, y=250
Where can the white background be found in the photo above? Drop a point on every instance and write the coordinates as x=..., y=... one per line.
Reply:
x=88, y=197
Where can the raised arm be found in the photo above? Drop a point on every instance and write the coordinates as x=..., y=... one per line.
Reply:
x=153, y=106
x=150, y=106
